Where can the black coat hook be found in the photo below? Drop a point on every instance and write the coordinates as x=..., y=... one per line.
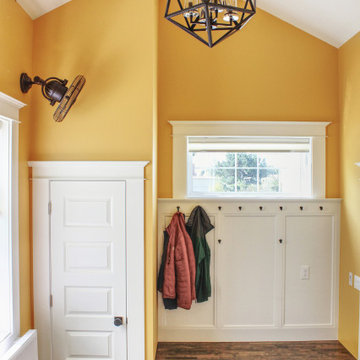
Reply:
x=261, y=208
x=240, y=208
x=321, y=208
x=178, y=208
x=281, y=208
x=301, y=208
x=219, y=207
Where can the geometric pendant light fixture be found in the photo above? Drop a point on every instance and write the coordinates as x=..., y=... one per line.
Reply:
x=210, y=21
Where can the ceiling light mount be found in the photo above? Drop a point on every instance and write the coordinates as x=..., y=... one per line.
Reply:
x=55, y=90
x=210, y=21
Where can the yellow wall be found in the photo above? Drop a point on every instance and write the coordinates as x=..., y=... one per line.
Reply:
x=113, y=43
x=16, y=57
x=349, y=86
x=270, y=70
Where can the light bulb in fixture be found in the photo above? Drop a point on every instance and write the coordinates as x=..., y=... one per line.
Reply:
x=231, y=16
x=189, y=4
x=216, y=2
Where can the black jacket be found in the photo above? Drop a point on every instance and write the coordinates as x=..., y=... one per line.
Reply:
x=198, y=226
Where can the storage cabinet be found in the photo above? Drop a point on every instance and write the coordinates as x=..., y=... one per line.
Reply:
x=274, y=270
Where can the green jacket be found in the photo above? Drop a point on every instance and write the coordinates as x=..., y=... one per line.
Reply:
x=198, y=226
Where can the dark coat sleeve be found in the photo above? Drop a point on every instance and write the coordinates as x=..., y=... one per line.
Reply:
x=170, y=304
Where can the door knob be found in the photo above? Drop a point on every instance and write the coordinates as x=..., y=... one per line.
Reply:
x=118, y=320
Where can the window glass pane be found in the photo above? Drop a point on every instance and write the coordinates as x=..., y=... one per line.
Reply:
x=269, y=180
x=247, y=180
x=224, y=180
x=282, y=169
x=246, y=160
x=5, y=250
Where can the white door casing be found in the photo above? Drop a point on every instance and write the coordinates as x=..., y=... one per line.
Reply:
x=88, y=278
x=131, y=175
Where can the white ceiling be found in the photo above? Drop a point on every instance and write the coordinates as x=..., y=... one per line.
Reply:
x=36, y=8
x=334, y=21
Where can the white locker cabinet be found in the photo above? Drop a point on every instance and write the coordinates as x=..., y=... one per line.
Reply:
x=274, y=271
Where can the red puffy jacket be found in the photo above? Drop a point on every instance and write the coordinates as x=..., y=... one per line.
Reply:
x=179, y=272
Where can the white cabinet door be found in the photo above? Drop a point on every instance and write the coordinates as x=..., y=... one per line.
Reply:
x=247, y=271
x=309, y=245
x=88, y=279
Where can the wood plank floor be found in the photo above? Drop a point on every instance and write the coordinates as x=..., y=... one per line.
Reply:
x=313, y=350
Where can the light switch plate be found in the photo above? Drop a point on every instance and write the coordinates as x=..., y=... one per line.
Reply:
x=357, y=282
x=305, y=272
x=350, y=278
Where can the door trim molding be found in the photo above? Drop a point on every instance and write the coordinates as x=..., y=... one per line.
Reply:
x=43, y=172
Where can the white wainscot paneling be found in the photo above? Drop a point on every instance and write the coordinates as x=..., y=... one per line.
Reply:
x=309, y=243
x=247, y=270
x=258, y=251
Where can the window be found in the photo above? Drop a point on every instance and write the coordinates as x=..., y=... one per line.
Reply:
x=9, y=277
x=249, y=166
x=249, y=159
x=5, y=245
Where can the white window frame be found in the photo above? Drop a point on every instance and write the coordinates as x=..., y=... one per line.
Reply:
x=314, y=130
x=9, y=135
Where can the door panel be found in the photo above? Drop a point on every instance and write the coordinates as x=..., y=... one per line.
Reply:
x=247, y=271
x=88, y=269
x=309, y=242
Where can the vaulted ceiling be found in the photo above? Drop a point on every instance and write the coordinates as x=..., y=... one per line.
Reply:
x=333, y=21
x=36, y=8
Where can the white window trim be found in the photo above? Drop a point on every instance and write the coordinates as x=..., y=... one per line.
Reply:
x=315, y=130
x=9, y=115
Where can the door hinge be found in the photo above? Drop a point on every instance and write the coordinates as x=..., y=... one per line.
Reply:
x=51, y=301
x=49, y=207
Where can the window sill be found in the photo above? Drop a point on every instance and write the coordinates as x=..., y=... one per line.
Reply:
x=249, y=199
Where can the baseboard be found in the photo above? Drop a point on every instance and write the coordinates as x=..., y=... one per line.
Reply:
x=247, y=335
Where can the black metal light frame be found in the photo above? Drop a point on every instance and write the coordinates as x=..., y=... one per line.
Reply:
x=211, y=8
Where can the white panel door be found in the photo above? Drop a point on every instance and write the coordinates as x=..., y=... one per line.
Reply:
x=247, y=271
x=88, y=278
